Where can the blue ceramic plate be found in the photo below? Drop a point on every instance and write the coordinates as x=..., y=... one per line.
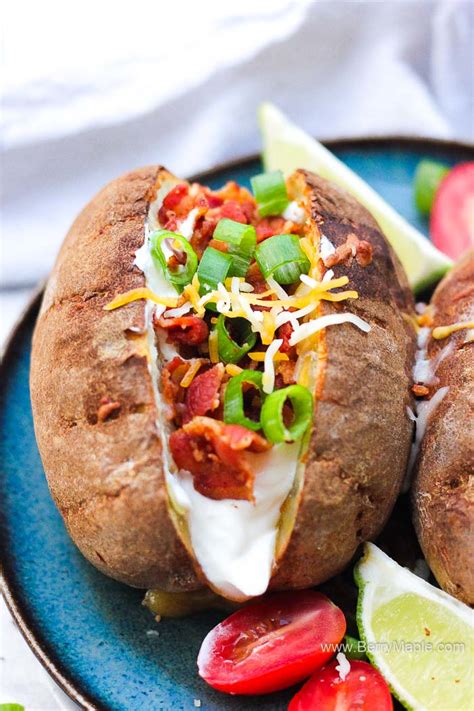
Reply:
x=89, y=631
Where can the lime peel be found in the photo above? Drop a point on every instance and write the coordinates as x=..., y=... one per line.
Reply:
x=383, y=584
x=287, y=147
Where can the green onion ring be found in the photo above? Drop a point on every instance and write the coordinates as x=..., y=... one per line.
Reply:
x=231, y=351
x=234, y=399
x=184, y=274
x=271, y=416
x=282, y=257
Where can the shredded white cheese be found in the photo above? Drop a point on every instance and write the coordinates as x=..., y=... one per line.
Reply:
x=279, y=290
x=309, y=281
x=179, y=311
x=317, y=324
x=268, y=379
x=293, y=316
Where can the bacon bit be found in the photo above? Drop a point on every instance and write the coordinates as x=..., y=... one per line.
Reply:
x=233, y=211
x=284, y=332
x=189, y=330
x=219, y=244
x=269, y=226
x=106, y=408
x=255, y=278
x=171, y=202
x=364, y=253
x=352, y=247
x=212, y=452
x=420, y=390
x=171, y=375
x=285, y=370
x=202, y=396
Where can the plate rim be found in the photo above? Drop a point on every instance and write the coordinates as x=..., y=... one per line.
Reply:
x=46, y=656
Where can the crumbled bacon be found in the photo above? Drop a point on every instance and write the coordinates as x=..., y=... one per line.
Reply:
x=172, y=202
x=269, y=226
x=255, y=278
x=285, y=370
x=284, y=332
x=171, y=375
x=188, y=330
x=213, y=453
x=352, y=248
x=202, y=396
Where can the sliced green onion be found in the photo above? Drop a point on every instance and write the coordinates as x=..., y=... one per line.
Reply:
x=241, y=240
x=270, y=193
x=282, y=258
x=230, y=350
x=213, y=268
x=184, y=273
x=428, y=175
x=271, y=415
x=234, y=412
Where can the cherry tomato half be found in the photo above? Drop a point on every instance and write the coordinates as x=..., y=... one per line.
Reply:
x=271, y=644
x=452, y=215
x=363, y=689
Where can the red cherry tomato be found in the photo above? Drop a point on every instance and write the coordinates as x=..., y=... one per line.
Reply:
x=271, y=644
x=452, y=215
x=363, y=689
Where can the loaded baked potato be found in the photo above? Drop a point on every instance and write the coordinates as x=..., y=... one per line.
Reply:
x=443, y=502
x=212, y=405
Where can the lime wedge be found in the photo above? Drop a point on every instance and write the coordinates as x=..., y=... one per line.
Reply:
x=420, y=638
x=287, y=147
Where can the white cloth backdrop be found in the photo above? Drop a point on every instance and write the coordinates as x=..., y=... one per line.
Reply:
x=92, y=90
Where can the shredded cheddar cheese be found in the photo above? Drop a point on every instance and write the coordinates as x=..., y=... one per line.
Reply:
x=213, y=347
x=192, y=292
x=259, y=356
x=191, y=373
x=142, y=293
x=232, y=369
x=441, y=332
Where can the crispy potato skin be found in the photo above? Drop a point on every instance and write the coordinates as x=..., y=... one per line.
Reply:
x=106, y=476
x=361, y=437
x=443, y=491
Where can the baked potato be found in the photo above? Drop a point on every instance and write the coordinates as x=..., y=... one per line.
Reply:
x=151, y=456
x=443, y=495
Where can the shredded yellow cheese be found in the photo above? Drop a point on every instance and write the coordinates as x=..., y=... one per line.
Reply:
x=232, y=369
x=445, y=331
x=190, y=374
x=142, y=293
x=259, y=356
x=213, y=348
x=192, y=292
x=267, y=331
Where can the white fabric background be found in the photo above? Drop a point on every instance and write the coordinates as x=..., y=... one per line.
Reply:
x=93, y=89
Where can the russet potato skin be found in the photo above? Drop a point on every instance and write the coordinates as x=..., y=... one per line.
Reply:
x=106, y=475
x=443, y=493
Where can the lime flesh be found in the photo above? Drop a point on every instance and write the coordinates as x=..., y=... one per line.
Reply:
x=287, y=147
x=420, y=638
